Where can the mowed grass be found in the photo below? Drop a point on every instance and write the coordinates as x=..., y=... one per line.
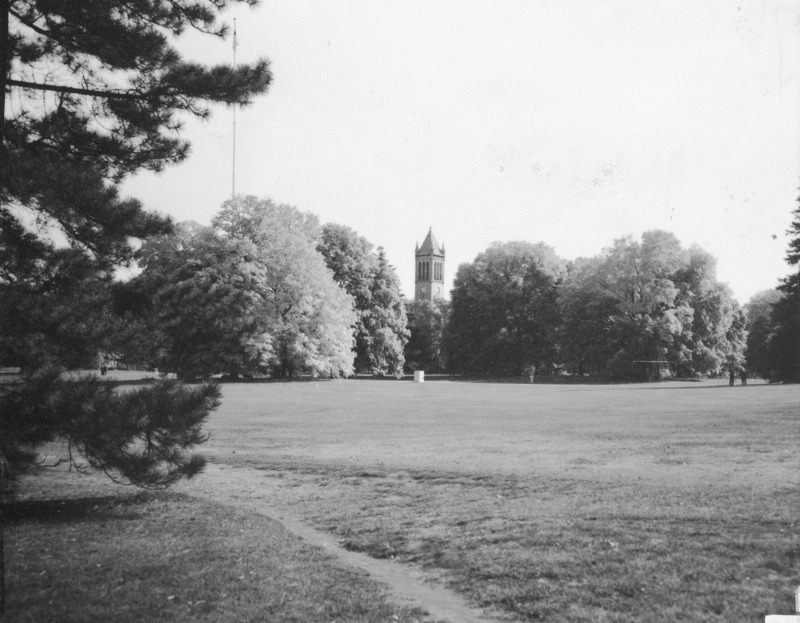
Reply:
x=666, y=502
x=80, y=549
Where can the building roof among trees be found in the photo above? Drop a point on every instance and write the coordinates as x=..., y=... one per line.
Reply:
x=430, y=246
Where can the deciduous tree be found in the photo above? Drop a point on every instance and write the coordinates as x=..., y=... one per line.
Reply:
x=760, y=326
x=428, y=320
x=717, y=338
x=380, y=326
x=588, y=312
x=505, y=315
x=647, y=308
x=201, y=301
x=649, y=319
x=309, y=317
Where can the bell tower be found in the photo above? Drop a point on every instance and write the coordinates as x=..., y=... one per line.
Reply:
x=429, y=270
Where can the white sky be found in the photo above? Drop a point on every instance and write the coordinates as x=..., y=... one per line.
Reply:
x=568, y=122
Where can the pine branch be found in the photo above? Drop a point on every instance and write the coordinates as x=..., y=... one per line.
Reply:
x=75, y=90
x=33, y=27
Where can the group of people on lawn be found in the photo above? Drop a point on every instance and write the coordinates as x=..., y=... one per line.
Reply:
x=732, y=376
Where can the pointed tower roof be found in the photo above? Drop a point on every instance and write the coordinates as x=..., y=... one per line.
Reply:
x=430, y=246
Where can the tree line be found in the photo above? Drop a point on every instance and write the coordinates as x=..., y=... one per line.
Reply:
x=641, y=309
x=264, y=290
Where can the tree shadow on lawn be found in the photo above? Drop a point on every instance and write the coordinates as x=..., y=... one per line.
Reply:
x=560, y=379
x=54, y=511
x=589, y=384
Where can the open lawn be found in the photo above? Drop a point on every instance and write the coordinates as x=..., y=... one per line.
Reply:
x=675, y=501
x=664, y=502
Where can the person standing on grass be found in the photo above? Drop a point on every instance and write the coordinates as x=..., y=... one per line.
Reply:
x=731, y=376
x=743, y=376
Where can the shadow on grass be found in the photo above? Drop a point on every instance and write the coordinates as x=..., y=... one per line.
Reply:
x=596, y=383
x=97, y=508
x=220, y=381
x=561, y=379
x=77, y=557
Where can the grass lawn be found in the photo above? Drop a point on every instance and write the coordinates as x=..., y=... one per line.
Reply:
x=666, y=502
x=81, y=549
x=670, y=502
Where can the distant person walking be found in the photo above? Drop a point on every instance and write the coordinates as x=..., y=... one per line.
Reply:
x=731, y=376
x=743, y=376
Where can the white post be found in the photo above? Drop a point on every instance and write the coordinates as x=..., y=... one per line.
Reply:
x=787, y=618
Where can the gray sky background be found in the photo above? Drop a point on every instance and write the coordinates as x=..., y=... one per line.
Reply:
x=571, y=122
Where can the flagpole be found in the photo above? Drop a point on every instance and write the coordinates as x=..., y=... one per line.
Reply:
x=233, y=169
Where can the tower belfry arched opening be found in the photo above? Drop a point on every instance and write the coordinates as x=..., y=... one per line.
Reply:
x=429, y=269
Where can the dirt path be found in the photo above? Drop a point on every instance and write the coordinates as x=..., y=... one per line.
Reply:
x=245, y=488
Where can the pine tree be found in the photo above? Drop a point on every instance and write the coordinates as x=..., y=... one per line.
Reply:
x=784, y=343
x=93, y=91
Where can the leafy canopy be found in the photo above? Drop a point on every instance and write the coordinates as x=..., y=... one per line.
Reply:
x=644, y=302
x=505, y=314
x=250, y=295
x=380, y=327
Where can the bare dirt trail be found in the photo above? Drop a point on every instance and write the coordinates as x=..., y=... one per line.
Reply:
x=248, y=489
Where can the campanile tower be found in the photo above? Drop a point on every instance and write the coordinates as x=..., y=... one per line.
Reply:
x=429, y=273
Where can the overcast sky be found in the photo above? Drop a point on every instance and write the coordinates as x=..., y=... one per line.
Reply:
x=567, y=122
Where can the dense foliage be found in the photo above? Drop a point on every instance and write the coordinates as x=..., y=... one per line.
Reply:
x=428, y=321
x=758, y=311
x=650, y=308
x=773, y=346
x=142, y=435
x=785, y=338
x=639, y=310
x=505, y=315
x=250, y=295
x=265, y=291
x=380, y=327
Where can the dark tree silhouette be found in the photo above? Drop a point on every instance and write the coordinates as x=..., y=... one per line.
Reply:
x=93, y=91
x=784, y=343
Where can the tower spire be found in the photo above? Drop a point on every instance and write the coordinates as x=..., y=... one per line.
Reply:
x=429, y=269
